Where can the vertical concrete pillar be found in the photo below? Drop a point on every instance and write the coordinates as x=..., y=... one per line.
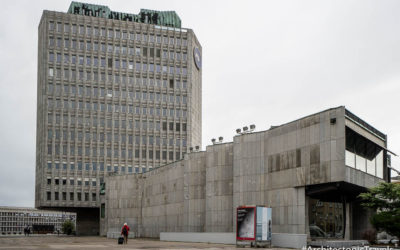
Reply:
x=348, y=226
x=307, y=222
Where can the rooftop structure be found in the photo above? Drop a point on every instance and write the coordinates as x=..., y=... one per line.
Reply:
x=164, y=18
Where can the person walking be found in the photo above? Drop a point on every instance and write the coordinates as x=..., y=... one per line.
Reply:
x=125, y=232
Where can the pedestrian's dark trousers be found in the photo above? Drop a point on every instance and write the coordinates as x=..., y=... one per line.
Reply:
x=126, y=239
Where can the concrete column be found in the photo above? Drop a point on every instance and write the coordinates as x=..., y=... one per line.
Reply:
x=307, y=223
x=348, y=226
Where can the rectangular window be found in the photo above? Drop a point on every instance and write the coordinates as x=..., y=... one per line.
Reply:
x=48, y=196
x=59, y=42
x=59, y=27
x=51, y=41
x=136, y=153
x=81, y=45
x=88, y=31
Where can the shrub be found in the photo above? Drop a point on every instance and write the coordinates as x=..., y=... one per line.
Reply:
x=385, y=200
x=68, y=227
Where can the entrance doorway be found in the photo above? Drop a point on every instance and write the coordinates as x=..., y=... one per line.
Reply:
x=326, y=219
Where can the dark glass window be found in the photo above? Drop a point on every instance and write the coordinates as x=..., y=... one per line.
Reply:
x=326, y=219
x=103, y=210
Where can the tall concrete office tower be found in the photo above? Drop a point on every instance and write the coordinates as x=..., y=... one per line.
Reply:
x=117, y=93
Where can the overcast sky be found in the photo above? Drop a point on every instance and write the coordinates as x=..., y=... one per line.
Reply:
x=264, y=63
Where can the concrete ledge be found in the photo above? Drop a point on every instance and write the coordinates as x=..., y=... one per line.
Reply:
x=222, y=238
x=289, y=240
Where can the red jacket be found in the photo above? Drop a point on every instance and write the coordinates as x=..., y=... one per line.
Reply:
x=127, y=229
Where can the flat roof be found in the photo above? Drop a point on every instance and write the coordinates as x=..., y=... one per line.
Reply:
x=347, y=113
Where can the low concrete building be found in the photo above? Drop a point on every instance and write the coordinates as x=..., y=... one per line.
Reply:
x=13, y=220
x=310, y=171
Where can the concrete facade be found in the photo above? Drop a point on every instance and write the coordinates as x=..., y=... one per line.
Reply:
x=283, y=168
x=114, y=96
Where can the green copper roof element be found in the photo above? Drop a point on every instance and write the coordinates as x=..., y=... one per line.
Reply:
x=163, y=18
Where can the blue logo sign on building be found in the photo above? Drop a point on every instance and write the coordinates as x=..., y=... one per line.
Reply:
x=197, y=57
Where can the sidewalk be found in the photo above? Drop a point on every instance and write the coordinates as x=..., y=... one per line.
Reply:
x=73, y=242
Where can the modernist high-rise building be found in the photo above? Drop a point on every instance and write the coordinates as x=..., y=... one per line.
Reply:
x=117, y=93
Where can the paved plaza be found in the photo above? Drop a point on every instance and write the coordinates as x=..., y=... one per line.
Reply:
x=54, y=242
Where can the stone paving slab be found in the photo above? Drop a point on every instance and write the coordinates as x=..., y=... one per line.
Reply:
x=79, y=243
